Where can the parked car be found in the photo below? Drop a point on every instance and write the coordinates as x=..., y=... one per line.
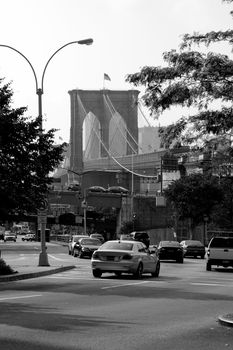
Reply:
x=140, y=236
x=29, y=237
x=124, y=257
x=170, y=250
x=118, y=189
x=9, y=236
x=74, y=187
x=98, y=236
x=193, y=248
x=96, y=189
x=86, y=247
x=220, y=252
x=74, y=239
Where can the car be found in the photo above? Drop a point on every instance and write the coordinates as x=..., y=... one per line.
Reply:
x=118, y=189
x=219, y=252
x=74, y=187
x=71, y=243
x=140, y=236
x=193, y=248
x=86, y=247
x=29, y=237
x=97, y=189
x=98, y=236
x=9, y=236
x=129, y=257
x=170, y=250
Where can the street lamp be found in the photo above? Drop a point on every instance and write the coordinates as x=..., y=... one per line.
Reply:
x=43, y=258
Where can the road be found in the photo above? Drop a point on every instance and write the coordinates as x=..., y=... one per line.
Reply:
x=74, y=310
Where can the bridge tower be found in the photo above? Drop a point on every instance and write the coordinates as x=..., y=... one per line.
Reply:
x=85, y=101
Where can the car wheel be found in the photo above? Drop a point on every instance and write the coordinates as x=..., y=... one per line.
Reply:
x=202, y=256
x=118, y=273
x=157, y=269
x=139, y=272
x=97, y=273
x=208, y=266
x=180, y=261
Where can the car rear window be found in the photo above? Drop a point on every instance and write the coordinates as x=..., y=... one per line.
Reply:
x=141, y=235
x=221, y=242
x=194, y=243
x=117, y=246
x=86, y=241
x=169, y=244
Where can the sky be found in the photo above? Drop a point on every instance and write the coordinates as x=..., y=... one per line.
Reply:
x=127, y=34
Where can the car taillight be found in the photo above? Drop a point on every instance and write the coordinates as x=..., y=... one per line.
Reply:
x=208, y=252
x=126, y=257
x=95, y=255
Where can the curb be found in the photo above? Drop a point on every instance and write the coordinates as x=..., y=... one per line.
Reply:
x=226, y=320
x=23, y=276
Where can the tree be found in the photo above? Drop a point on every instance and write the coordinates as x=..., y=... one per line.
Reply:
x=27, y=157
x=194, y=196
x=192, y=79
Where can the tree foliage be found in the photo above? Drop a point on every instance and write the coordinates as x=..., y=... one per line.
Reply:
x=27, y=156
x=191, y=78
x=194, y=196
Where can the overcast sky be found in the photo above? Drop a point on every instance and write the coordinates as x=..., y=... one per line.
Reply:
x=127, y=34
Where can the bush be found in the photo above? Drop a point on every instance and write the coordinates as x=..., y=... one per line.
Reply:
x=5, y=269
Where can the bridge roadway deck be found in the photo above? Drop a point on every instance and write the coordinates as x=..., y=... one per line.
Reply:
x=141, y=162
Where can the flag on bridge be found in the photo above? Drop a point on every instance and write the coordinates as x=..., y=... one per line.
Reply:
x=106, y=77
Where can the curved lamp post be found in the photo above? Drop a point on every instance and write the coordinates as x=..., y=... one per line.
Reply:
x=43, y=258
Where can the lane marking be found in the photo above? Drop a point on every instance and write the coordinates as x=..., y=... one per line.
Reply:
x=55, y=258
x=126, y=284
x=210, y=284
x=21, y=297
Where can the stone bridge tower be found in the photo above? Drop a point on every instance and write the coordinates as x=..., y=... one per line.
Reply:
x=124, y=102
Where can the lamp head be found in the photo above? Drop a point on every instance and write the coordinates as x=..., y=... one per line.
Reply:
x=85, y=41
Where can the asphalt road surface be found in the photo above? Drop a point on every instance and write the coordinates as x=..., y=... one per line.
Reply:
x=75, y=311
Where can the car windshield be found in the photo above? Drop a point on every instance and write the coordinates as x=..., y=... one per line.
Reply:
x=222, y=242
x=87, y=241
x=169, y=244
x=117, y=246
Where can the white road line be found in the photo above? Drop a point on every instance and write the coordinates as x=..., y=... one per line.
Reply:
x=55, y=258
x=210, y=284
x=123, y=285
x=21, y=297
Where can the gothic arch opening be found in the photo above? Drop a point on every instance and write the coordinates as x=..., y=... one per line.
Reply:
x=91, y=137
x=117, y=136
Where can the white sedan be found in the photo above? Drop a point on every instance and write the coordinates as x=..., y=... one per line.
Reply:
x=124, y=257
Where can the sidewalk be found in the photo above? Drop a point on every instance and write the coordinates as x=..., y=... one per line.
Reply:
x=28, y=268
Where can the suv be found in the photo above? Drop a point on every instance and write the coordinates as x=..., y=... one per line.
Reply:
x=220, y=252
x=29, y=237
x=141, y=236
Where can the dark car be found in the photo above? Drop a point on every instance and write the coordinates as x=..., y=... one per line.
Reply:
x=170, y=250
x=140, y=236
x=118, y=189
x=74, y=187
x=193, y=248
x=97, y=189
x=86, y=247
